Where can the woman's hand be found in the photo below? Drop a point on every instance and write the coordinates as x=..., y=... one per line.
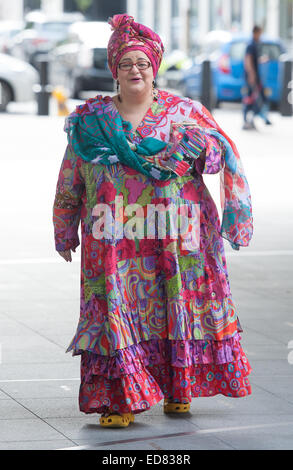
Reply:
x=66, y=254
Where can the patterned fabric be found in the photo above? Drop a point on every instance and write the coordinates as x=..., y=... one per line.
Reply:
x=100, y=139
x=97, y=135
x=128, y=36
x=156, y=319
x=137, y=392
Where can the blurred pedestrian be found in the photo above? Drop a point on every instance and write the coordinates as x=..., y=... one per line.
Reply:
x=255, y=101
x=157, y=319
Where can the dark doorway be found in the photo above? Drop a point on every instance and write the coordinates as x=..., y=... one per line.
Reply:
x=98, y=9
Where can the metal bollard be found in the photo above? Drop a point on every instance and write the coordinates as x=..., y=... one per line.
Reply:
x=286, y=108
x=43, y=90
x=206, y=85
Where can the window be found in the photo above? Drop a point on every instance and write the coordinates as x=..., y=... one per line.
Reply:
x=55, y=27
x=175, y=25
x=237, y=50
x=260, y=13
x=236, y=13
x=273, y=51
x=193, y=25
x=100, y=59
x=157, y=22
x=140, y=11
x=216, y=14
x=175, y=8
x=286, y=20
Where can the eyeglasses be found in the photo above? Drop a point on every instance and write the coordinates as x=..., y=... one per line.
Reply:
x=127, y=66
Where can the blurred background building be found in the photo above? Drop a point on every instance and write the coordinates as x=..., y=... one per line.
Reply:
x=72, y=36
x=179, y=22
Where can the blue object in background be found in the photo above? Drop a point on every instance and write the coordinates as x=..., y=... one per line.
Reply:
x=227, y=65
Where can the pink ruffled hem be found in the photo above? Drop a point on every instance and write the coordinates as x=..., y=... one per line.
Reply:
x=139, y=392
x=146, y=354
x=160, y=369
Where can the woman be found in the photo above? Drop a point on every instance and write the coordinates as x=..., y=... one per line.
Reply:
x=157, y=319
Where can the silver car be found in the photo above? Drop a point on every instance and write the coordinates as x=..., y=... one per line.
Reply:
x=17, y=79
x=80, y=63
x=40, y=34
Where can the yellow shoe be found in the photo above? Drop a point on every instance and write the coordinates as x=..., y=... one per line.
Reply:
x=170, y=407
x=117, y=420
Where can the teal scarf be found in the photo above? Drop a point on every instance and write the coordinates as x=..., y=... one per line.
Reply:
x=97, y=136
x=101, y=139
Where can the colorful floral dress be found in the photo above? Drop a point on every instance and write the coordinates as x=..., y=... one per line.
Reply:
x=156, y=320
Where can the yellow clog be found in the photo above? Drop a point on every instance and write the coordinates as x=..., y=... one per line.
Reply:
x=117, y=420
x=170, y=407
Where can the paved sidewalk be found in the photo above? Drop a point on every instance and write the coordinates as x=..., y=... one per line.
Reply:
x=39, y=306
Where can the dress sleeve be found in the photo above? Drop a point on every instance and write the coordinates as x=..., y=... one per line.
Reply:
x=212, y=159
x=68, y=202
x=195, y=149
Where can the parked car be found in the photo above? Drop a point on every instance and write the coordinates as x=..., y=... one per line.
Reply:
x=8, y=29
x=80, y=63
x=41, y=34
x=17, y=79
x=226, y=53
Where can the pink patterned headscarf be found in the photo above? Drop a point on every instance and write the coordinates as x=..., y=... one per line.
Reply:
x=131, y=36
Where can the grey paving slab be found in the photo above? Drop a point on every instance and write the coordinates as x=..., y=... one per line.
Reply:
x=14, y=410
x=195, y=442
x=239, y=431
x=26, y=429
x=88, y=428
x=48, y=325
x=62, y=341
x=260, y=402
x=272, y=368
x=10, y=327
x=84, y=444
x=271, y=266
x=62, y=330
x=35, y=294
x=60, y=319
x=47, y=444
x=52, y=407
x=271, y=329
x=271, y=438
x=32, y=348
x=41, y=389
x=250, y=337
x=67, y=369
x=255, y=303
x=266, y=351
x=280, y=387
x=239, y=420
x=3, y=395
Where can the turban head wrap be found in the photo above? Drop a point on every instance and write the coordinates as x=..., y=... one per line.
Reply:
x=131, y=36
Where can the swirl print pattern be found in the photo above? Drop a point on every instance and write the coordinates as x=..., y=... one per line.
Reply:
x=156, y=321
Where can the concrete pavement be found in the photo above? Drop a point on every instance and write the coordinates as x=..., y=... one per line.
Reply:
x=39, y=310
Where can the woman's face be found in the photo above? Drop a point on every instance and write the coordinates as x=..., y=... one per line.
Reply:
x=135, y=80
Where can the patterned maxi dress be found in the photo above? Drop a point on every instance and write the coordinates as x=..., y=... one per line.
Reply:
x=156, y=320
